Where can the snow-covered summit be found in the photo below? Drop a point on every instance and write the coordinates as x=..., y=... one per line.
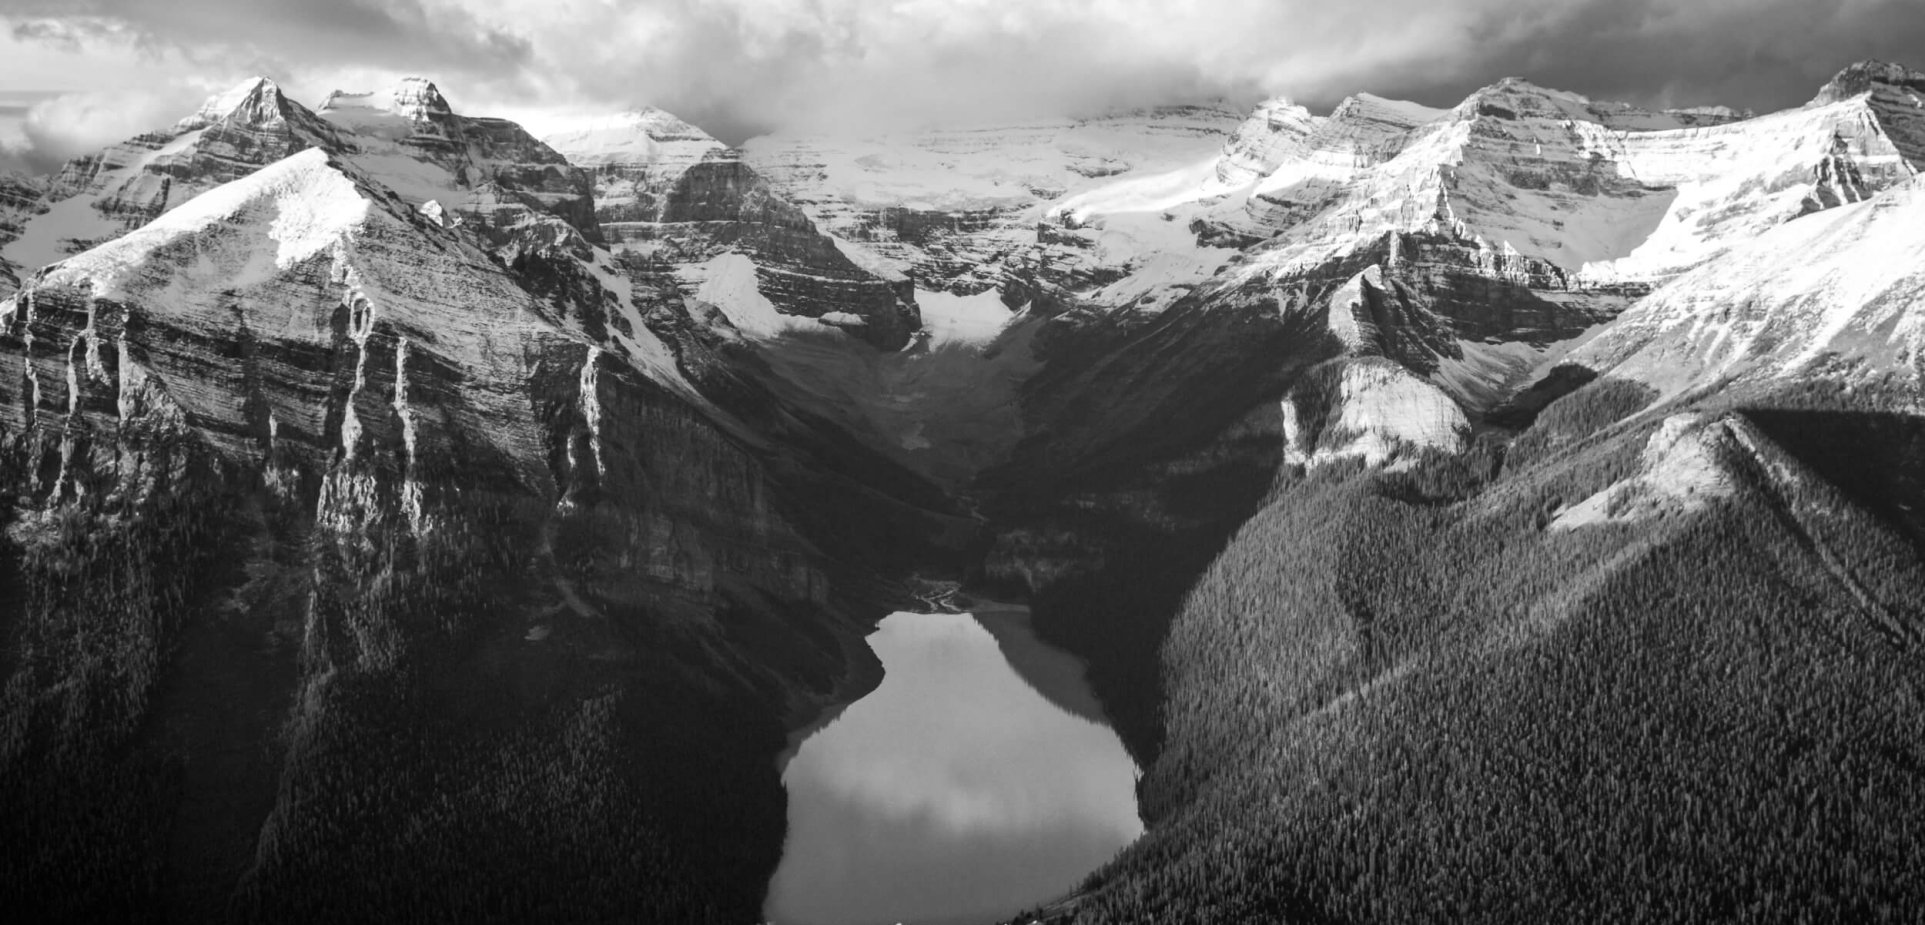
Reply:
x=256, y=101
x=413, y=98
x=640, y=136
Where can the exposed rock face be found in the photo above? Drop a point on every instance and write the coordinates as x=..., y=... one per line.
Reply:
x=452, y=472
x=682, y=202
x=1278, y=130
x=380, y=389
x=1576, y=192
x=1301, y=175
x=20, y=199
x=1407, y=283
x=1578, y=204
x=334, y=262
x=637, y=157
x=1684, y=466
x=1894, y=96
x=1373, y=410
x=361, y=326
x=1497, y=229
x=484, y=170
x=489, y=171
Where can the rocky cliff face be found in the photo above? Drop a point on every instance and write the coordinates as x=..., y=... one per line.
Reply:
x=20, y=199
x=686, y=206
x=487, y=171
x=410, y=471
x=637, y=158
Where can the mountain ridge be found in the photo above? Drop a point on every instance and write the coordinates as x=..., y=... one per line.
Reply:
x=533, y=491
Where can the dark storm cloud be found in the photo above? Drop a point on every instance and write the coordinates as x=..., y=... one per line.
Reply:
x=743, y=66
x=289, y=33
x=1763, y=55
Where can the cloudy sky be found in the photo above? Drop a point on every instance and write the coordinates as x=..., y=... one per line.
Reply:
x=75, y=74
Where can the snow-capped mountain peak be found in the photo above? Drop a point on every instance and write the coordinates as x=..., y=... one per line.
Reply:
x=256, y=101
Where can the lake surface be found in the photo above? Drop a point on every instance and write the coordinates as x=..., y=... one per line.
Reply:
x=977, y=781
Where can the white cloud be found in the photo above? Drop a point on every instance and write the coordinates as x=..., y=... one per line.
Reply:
x=739, y=66
x=77, y=123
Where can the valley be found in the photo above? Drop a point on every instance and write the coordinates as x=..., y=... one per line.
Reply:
x=1504, y=512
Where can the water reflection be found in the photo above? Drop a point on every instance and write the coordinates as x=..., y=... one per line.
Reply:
x=959, y=791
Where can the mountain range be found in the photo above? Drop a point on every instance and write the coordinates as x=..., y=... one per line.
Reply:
x=1509, y=512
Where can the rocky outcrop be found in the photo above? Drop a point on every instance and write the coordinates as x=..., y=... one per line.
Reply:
x=1373, y=410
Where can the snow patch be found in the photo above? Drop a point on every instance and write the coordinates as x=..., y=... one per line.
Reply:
x=729, y=282
x=645, y=351
x=592, y=407
x=410, y=484
x=314, y=206
x=964, y=320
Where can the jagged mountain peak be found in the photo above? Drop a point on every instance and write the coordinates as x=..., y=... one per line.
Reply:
x=1865, y=76
x=256, y=101
x=1892, y=96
